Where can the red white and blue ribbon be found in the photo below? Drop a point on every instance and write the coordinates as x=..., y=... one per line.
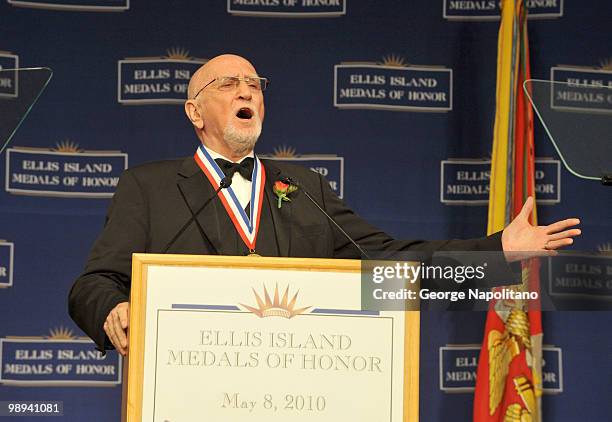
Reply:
x=246, y=226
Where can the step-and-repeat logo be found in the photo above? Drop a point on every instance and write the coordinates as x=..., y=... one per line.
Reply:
x=156, y=80
x=59, y=359
x=329, y=165
x=7, y=251
x=66, y=170
x=582, y=276
x=82, y=5
x=393, y=84
x=466, y=181
x=585, y=89
x=287, y=8
x=459, y=364
x=487, y=10
x=8, y=79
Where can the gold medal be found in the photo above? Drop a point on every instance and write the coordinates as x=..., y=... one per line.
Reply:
x=252, y=253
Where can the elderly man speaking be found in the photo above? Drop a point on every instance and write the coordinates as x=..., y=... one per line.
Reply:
x=186, y=206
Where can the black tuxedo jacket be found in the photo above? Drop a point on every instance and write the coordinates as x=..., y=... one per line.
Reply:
x=153, y=201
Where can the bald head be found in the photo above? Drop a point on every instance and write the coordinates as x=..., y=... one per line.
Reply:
x=215, y=67
x=226, y=117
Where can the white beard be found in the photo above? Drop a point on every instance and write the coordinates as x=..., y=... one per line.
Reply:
x=242, y=141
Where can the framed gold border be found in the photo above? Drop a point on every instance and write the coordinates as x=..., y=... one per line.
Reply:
x=134, y=364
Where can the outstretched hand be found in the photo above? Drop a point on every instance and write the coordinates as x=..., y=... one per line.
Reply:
x=521, y=236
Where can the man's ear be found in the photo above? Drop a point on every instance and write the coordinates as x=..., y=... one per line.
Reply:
x=193, y=114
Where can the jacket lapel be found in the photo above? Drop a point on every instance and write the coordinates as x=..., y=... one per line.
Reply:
x=213, y=221
x=281, y=217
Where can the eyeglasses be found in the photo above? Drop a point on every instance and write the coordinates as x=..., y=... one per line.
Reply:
x=230, y=83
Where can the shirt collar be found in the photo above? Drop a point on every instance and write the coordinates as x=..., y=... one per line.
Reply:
x=216, y=155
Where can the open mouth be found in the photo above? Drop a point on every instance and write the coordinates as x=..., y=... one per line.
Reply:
x=244, y=113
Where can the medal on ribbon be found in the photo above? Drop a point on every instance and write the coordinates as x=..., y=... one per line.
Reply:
x=247, y=226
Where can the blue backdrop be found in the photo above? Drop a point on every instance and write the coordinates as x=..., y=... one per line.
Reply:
x=393, y=100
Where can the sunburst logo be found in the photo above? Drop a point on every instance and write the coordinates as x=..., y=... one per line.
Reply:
x=606, y=64
x=284, y=151
x=275, y=307
x=394, y=60
x=60, y=333
x=177, y=53
x=605, y=248
x=67, y=146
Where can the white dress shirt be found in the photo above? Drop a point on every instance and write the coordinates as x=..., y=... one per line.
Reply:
x=241, y=186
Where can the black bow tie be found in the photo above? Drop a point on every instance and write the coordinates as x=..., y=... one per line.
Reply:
x=245, y=167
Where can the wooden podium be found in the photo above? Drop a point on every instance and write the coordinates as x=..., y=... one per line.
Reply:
x=221, y=338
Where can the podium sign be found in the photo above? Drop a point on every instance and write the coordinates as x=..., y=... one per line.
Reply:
x=264, y=339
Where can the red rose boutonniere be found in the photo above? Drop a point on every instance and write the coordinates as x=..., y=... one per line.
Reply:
x=282, y=190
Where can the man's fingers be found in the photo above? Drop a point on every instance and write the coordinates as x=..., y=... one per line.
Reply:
x=124, y=315
x=564, y=234
x=119, y=330
x=114, y=336
x=109, y=328
x=561, y=225
x=556, y=244
x=115, y=327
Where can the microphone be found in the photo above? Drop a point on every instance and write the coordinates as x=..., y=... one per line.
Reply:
x=226, y=182
x=290, y=181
